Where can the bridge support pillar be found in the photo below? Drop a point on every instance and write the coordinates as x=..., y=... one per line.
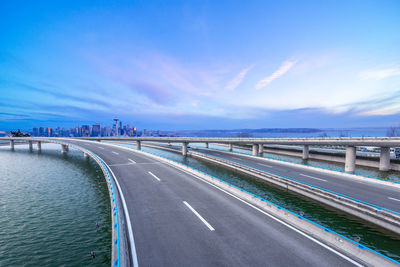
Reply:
x=384, y=161
x=306, y=152
x=184, y=149
x=138, y=145
x=64, y=148
x=12, y=144
x=85, y=155
x=255, y=150
x=230, y=147
x=260, y=149
x=350, y=164
x=206, y=145
x=30, y=145
x=39, y=146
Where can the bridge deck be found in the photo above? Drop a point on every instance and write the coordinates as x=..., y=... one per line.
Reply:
x=168, y=232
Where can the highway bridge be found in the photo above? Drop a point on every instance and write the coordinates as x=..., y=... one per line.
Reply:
x=171, y=216
x=384, y=143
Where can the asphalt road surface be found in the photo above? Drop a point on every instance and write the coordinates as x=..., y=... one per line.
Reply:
x=180, y=220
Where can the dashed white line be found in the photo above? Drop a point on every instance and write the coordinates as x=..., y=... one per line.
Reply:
x=120, y=164
x=155, y=176
x=199, y=216
x=100, y=147
x=269, y=166
x=132, y=161
x=115, y=152
x=312, y=177
x=392, y=198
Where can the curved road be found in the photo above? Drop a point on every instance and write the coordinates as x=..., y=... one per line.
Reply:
x=180, y=220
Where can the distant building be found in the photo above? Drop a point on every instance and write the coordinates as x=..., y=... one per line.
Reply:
x=96, y=130
x=85, y=130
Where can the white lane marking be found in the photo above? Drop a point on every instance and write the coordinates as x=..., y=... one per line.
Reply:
x=155, y=176
x=128, y=220
x=115, y=152
x=199, y=216
x=262, y=164
x=392, y=198
x=312, y=177
x=100, y=147
x=132, y=161
x=236, y=158
x=120, y=164
x=276, y=219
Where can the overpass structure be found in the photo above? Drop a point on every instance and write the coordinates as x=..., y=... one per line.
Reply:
x=384, y=143
x=164, y=214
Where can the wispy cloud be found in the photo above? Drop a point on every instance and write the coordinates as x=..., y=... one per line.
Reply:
x=285, y=67
x=379, y=74
x=237, y=80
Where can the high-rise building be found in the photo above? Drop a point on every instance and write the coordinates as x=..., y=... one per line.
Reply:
x=85, y=130
x=96, y=130
x=116, y=127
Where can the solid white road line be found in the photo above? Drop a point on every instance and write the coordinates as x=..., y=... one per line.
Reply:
x=132, y=161
x=128, y=220
x=262, y=164
x=392, y=198
x=100, y=147
x=199, y=216
x=155, y=176
x=312, y=177
x=115, y=152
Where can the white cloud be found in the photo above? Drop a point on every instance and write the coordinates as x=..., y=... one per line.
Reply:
x=285, y=67
x=378, y=74
x=235, y=82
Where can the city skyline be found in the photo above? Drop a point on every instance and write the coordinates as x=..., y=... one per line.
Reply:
x=200, y=65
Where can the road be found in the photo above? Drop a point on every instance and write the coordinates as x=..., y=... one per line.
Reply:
x=378, y=194
x=180, y=220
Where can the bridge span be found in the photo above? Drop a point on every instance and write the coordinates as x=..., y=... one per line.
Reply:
x=384, y=143
x=177, y=218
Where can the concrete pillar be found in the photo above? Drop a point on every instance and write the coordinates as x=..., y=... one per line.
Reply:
x=64, y=148
x=85, y=155
x=350, y=165
x=384, y=162
x=39, y=146
x=30, y=145
x=184, y=149
x=260, y=149
x=138, y=145
x=206, y=145
x=306, y=152
x=12, y=144
x=255, y=149
x=230, y=147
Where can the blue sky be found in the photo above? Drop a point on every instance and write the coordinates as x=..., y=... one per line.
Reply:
x=200, y=64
